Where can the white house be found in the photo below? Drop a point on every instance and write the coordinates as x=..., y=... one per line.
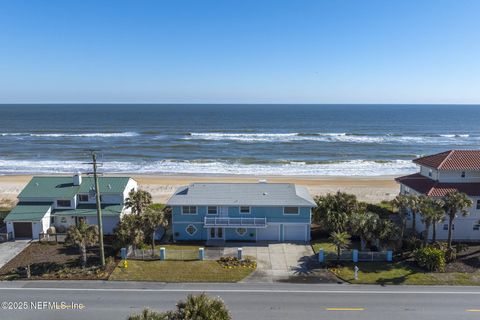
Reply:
x=442, y=173
x=62, y=201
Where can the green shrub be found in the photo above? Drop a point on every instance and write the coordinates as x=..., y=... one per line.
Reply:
x=412, y=243
x=430, y=258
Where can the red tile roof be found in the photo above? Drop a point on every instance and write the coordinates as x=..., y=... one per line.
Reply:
x=452, y=160
x=434, y=188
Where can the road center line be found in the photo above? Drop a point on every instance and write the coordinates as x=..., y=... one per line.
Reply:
x=344, y=309
x=473, y=310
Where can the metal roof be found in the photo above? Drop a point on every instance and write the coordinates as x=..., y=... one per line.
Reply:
x=33, y=211
x=236, y=194
x=85, y=210
x=63, y=187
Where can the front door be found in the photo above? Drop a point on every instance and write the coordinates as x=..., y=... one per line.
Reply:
x=216, y=233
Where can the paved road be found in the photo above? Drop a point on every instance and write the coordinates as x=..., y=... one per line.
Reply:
x=116, y=300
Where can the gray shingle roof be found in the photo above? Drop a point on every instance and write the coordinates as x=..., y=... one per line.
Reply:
x=236, y=194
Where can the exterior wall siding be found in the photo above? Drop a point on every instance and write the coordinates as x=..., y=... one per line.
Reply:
x=274, y=215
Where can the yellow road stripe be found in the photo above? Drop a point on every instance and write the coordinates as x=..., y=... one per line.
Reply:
x=473, y=310
x=344, y=309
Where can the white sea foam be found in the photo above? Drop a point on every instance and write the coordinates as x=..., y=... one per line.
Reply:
x=343, y=168
x=86, y=135
x=331, y=137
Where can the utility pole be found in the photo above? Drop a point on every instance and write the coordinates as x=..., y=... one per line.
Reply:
x=99, y=208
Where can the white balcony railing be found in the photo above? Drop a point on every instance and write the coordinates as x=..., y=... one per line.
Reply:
x=235, y=222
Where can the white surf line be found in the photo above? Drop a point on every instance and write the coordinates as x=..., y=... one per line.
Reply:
x=240, y=291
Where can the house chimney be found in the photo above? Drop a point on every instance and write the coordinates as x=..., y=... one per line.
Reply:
x=77, y=179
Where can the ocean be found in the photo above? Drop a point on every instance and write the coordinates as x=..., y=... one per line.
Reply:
x=336, y=140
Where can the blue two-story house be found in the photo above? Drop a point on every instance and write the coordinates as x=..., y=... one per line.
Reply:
x=241, y=212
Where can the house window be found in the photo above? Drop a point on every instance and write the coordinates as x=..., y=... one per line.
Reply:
x=244, y=210
x=189, y=210
x=52, y=220
x=83, y=197
x=63, y=203
x=212, y=210
x=241, y=231
x=191, y=229
x=476, y=227
x=445, y=227
x=478, y=204
x=290, y=210
x=463, y=174
x=430, y=172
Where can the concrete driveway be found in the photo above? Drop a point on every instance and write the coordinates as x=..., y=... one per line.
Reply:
x=10, y=249
x=277, y=261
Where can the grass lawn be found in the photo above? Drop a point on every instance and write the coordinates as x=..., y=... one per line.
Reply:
x=403, y=273
x=178, y=271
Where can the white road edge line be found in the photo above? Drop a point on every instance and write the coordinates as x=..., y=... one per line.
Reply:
x=241, y=291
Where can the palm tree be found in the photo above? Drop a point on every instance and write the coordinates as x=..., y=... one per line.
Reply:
x=153, y=218
x=414, y=206
x=386, y=230
x=138, y=201
x=333, y=210
x=432, y=213
x=365, y=226
x=82, y=236
x=402, y=203
x=201, y=307
x=129, y=231
x=455, y=202
x=341, y=240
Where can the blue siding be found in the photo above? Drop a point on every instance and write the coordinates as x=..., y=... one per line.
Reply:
x=273, y=214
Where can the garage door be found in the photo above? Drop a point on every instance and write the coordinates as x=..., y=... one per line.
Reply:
x=270, y=233
x=294, y=232
x=22, y=229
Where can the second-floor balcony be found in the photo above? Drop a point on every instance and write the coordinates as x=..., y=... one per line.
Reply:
x=235, y=222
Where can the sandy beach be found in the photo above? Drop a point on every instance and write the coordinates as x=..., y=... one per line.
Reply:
x=370, y=189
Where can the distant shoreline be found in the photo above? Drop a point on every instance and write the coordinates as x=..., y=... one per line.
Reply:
x=367, y=188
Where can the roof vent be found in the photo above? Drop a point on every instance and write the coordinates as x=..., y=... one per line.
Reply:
x=265, y=193
x=262, y=181
x=37, y=184
x=109, y=186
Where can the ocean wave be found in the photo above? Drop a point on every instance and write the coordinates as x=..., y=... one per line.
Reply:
x=333, y=137
x=85, y=135
x=287, y=168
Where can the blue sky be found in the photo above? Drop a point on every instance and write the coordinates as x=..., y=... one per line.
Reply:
x=240, y=51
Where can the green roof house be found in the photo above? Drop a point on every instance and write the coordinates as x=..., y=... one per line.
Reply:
x=62, y=201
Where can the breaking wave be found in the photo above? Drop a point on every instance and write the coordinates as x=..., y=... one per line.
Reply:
x=287, y=168
x=334, y=137
x=86, y=135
